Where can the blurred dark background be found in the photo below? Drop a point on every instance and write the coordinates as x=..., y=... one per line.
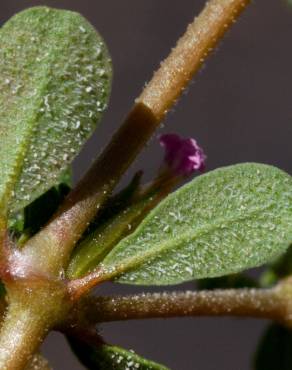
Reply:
x=238, y=108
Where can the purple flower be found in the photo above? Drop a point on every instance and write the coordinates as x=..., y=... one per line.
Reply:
x=182, y=156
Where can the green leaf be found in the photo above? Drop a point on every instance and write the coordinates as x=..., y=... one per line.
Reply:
x=275, y=349
x=116, y=220
x=55, y=82
x=106, y=357
x=120, y=217
x=223, y=222
x=93, y=249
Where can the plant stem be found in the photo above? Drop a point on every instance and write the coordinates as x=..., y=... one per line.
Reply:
x=56, y=241
x=38, y=362
x=36, y=304
x=22, y=332
x=258, y=303
x=190, y=52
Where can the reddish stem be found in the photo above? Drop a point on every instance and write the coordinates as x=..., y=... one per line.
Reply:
x=260, y=303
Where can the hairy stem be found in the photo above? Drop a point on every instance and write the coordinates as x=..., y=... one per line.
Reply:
x=22, y=332
x=190, y=52
x=35, y=305
x=56, y=241
x=38, y=362
x=258, y=303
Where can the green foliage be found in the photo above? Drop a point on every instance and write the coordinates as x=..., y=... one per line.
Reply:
x=112, y=224
x=55, y=82
x=122, y=214
x=106, y=357
x=93, y=249
x=223, y=222
x=275, y=349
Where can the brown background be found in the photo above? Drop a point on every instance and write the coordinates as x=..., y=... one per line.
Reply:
x=239, y=109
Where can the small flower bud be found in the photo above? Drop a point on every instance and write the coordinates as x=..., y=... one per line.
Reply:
x=182, y=156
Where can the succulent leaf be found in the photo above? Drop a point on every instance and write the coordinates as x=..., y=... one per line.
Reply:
x=55, y=82
x=223, y=222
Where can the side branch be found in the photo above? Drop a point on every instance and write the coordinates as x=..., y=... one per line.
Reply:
x=258, y=303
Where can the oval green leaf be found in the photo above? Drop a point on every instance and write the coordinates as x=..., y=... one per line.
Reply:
x=223, y=222
x=55, y=82
x=107, y=357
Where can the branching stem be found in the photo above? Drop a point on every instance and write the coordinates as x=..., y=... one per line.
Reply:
x=30, y=316
x=56, y=241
